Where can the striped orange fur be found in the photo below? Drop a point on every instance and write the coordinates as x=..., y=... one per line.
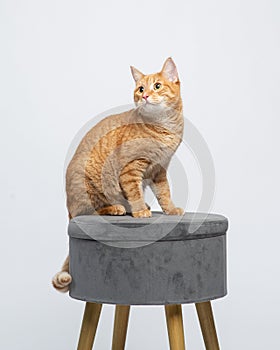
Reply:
x=125, y=152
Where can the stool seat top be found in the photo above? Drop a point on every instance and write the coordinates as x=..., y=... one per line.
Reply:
x=159, y=227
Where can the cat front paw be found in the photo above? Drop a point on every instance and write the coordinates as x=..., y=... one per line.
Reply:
x=116, y=209
x=61, y=281
x=146, y=213
x=175, y=211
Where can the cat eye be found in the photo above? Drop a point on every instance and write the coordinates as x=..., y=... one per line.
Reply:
x=141, y=89
x=157, y=86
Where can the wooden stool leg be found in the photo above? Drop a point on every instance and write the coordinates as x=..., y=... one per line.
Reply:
x=120, y=326
x=89, y=325
x=174, y=322
x=207, y=325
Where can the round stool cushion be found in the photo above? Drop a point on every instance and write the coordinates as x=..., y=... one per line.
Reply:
x=158, y=260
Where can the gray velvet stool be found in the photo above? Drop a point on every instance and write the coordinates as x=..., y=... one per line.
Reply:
x=163, y=260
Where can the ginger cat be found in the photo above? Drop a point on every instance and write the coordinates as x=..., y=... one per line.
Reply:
x=124, y=153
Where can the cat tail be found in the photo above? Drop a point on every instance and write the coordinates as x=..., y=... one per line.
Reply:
x=78, y=203
x=62, y=279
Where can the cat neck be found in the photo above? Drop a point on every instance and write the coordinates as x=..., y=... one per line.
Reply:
x=170, y=118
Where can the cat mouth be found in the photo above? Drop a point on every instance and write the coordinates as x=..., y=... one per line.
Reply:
x=151, y=103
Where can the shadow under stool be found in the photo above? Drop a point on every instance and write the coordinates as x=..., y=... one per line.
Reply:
x=163, y=260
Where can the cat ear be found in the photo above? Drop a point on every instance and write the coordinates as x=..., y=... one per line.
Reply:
x=169, y=70
x=137, y=75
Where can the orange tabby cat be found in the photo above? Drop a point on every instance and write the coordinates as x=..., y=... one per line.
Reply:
x=124, y=153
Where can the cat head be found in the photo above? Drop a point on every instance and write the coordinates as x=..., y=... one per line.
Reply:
x=159, y=91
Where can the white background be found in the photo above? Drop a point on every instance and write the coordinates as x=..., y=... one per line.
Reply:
x=62, y=62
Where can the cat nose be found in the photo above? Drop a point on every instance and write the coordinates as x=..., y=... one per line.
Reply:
x=145, y=97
